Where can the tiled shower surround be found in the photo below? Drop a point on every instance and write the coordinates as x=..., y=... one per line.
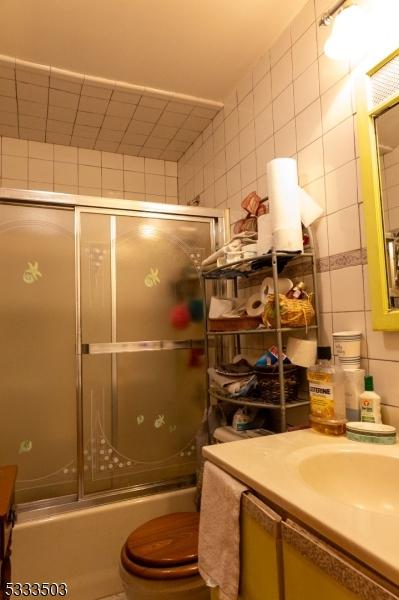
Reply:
x=50, y=167
x=297, y=102
x=293, y=102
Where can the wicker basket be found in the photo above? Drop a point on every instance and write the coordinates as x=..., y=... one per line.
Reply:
x=269, y=383
x=293, y=312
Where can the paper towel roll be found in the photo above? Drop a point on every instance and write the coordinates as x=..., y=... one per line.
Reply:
x=310, y=210
x=288, y=239
x=282, y=182
x=254, y=306
x=265, y=233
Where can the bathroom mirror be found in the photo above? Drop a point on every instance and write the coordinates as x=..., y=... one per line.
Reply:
x=378, y=115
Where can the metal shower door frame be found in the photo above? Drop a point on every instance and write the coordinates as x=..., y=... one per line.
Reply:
x=113, y=348
x=219, y=222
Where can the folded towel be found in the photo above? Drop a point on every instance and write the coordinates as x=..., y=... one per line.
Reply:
x=219, y=531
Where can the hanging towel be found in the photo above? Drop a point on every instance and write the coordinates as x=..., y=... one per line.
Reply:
x=219, y=531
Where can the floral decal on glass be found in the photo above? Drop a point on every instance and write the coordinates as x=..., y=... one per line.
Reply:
x=32, y=273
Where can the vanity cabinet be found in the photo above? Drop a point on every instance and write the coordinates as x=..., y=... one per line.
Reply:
x=281, y=560
x=260, y=550
x=261, y=572
x=313, y=570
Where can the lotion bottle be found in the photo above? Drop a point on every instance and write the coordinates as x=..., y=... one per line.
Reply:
x=370, y=403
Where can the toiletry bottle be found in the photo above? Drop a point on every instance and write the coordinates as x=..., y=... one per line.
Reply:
x=327, y=394
x=354, y=386
x=370, y=403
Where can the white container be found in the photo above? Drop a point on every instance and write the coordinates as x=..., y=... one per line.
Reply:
x=354, y=387
x=371, y=433
x=347, y=348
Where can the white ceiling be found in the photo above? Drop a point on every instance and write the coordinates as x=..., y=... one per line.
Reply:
x=46, y=104
x=196, y=47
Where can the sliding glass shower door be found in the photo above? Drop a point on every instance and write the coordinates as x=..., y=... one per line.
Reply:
x=102, y=379
x=142, y=338
x=37, y=350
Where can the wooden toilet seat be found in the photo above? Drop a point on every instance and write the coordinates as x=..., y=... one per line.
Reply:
x=163, y=548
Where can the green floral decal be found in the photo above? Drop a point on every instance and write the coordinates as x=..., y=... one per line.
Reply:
x=152, y=278
x=32, y=273
x=25, y=446
x=159, y=421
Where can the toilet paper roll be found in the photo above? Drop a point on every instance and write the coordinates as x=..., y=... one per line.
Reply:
x=282, y=182
x=255, y=306
x=267, y=287
x=302, y=352
x=265, y=233
x=310, y=210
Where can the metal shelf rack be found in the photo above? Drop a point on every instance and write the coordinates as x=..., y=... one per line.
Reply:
x=247, y=268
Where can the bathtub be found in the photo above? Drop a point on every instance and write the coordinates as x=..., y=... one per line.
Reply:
x=81, y=547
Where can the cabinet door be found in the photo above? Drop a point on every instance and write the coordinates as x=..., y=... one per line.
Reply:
x=313, y=570
x=260, y=551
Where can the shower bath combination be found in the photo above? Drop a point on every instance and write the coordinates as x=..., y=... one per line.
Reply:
x=103, y=385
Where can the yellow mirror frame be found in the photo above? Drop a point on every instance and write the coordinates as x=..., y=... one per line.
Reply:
x=383, y=317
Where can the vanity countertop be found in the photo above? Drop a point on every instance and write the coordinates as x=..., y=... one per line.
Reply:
x=361, y=515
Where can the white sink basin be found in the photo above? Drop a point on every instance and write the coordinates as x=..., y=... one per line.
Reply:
x=347, y=491
x=362, y=479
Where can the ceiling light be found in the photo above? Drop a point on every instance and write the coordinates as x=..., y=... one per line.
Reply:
x=348, y=37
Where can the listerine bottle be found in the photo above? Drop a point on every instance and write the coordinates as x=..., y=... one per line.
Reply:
x=327, y=394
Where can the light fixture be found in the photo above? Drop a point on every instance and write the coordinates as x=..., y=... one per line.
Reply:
x=147, y=231
x=348, y=38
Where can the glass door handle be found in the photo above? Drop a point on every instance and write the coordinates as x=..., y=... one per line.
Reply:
x=140, y=346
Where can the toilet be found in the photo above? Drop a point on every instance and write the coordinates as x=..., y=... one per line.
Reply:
x=160, y=560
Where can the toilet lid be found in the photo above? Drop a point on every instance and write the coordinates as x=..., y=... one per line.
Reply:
x=165, y=541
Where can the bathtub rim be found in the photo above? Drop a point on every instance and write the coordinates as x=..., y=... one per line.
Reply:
x=43, y=509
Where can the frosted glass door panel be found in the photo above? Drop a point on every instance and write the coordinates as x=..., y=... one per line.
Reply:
x=160, y=403
x=37, y=349
x=95, y=276
x=98, y=421
x=158, y=292
x=142, y=409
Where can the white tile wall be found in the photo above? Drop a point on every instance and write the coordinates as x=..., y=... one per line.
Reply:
x=300, y=105
x=52, y=167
